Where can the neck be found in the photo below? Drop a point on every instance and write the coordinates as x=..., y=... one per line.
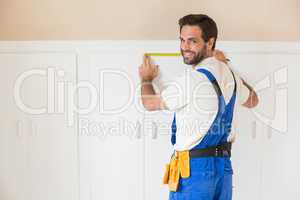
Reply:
x=209, y=54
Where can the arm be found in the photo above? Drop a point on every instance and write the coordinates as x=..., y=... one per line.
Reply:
x=147, y=71
x=151, y=101
x=252, y=100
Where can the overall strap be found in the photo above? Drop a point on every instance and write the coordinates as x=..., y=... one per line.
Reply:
x=212, y=79
x=234, y=90
x=174, y=129
x=217, y=88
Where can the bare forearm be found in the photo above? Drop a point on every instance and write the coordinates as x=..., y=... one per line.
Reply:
x=148, y=71
x=252, y=100
x=147, y=88
x=150, y=99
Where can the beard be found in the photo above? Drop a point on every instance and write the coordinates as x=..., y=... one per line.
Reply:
x=194, y=57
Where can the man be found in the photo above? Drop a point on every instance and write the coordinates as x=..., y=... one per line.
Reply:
x=200, y=168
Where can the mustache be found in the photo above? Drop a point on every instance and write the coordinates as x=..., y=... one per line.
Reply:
x=187, y=52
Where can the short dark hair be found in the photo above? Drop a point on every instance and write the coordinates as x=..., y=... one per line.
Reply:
x=204, y=22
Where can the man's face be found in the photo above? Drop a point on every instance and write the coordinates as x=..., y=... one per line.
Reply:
x=193, y=47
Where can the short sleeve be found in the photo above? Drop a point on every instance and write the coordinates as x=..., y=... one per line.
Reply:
x=175, y=93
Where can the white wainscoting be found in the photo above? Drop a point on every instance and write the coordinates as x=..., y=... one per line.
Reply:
x=50, y=149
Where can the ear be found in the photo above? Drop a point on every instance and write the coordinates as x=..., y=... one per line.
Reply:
x=210, y=43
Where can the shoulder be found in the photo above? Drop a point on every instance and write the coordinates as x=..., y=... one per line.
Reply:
x=222, y=74
x=190, y=76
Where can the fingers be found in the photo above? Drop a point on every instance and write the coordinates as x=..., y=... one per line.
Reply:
x=144, y=59
x=218, y=52
x=147, y=61
x=157, y=70
x=220, y=55
x=148, y=71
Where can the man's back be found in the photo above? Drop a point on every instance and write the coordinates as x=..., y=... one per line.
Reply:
x=196, y=101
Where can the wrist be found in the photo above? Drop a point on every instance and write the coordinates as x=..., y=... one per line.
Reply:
x=247, y=85
x=146, y=80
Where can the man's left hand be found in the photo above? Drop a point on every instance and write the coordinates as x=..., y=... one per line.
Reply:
x=219, y=55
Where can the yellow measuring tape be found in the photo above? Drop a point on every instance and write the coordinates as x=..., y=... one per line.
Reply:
x=164, y=54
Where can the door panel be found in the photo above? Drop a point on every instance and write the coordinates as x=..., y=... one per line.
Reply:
x=39, y=148
x=111, y=141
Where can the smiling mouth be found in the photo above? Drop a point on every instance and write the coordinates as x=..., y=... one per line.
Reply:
x=188, y=54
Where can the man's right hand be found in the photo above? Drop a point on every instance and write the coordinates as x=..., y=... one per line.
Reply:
x=148, y=71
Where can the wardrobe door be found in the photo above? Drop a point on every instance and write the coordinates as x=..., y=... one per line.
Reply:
x=247, y=157
x=280, y=100
x=290, y=159
x=39, y=144
x=14, y=168
x=111, y=143
x=264, y=154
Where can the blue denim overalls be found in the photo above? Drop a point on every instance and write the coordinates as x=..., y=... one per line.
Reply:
x=210, y=177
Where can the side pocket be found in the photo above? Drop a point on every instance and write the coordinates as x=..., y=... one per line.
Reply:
x=184, y=164
x=228, y=167
x=166, y=174
x=174, y=175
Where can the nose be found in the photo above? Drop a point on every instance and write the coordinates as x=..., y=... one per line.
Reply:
x=185, y=45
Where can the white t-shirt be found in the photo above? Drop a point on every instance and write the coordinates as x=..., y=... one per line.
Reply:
x=193, y=98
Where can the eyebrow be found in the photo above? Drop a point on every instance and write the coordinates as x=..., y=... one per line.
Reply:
x=192, y=38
